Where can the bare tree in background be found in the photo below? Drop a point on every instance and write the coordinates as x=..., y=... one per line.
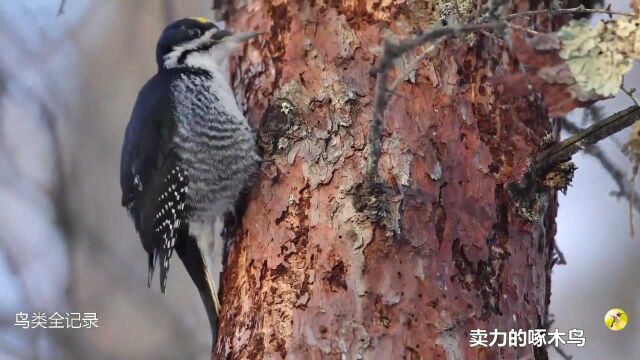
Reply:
x=61, y=238
x=33, y=240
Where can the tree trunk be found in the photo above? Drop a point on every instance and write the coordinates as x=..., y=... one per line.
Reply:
x=312, y=276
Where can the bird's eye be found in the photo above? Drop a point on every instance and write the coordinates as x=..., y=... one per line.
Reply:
x=194, y=32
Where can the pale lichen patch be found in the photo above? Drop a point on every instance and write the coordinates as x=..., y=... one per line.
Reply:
x=600, y=56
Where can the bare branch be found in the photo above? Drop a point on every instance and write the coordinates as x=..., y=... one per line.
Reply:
x=584, y=138
x=575, y=10
x=624, y=190
x=397, y=49
x=61, y=7
x=413, y=66
x=375, y=129
x=522, y=28
x=631, y=94
x=554, y=160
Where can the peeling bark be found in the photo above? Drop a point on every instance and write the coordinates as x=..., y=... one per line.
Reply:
x=310, y=276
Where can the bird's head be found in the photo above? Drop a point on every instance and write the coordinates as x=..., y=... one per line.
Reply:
x=197, y=43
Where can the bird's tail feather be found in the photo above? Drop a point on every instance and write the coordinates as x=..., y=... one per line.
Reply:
x=152, y=265
x=197, y=268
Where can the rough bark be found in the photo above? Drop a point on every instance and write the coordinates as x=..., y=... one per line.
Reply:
x=311, y=276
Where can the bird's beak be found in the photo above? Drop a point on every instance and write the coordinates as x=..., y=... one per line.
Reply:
x=242, y=36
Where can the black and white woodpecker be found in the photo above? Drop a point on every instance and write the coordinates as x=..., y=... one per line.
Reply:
x=188, y=156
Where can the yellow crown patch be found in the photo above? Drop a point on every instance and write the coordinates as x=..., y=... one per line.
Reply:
x=200, y=19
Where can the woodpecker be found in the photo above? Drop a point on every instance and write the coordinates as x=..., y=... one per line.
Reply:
x=189, y=155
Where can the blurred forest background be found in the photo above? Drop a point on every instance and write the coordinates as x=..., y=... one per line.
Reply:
x=68, y=83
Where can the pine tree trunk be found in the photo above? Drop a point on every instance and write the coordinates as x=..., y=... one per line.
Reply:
x=312, y=276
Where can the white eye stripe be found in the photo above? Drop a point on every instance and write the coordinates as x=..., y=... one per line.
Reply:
x=171, y=59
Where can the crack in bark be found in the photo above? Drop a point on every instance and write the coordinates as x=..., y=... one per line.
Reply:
x=485, y=276
x=336, y=277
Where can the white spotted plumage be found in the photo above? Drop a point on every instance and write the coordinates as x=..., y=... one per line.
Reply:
x=170, y=216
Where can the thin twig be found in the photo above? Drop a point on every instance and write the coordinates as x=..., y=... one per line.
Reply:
x=616, y=174
x=375, y=129
x=584, y=138
x=575, y=10
x=413, y=66
x=522, y=28
x=548, y=322
x=61, y=7
x=397, y=49
x=630, y=93
x=391, y=51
